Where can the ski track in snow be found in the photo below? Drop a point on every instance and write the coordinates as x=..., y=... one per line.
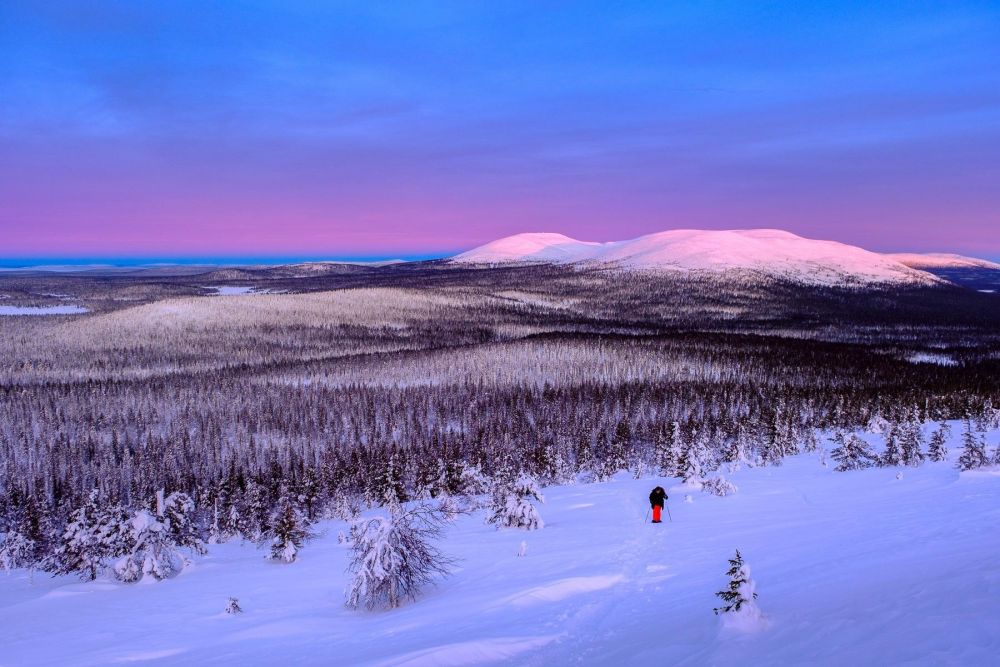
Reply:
x=855, y=568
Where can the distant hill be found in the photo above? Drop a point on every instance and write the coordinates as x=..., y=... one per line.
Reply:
x=769, y=253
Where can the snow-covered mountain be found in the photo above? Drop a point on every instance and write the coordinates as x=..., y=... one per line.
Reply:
x=766, y=252
x=940, y=260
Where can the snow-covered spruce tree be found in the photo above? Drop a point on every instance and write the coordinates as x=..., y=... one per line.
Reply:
x=937, y=450
x=511, y=505
x=973, y=449
x=255, y=512
x=736, y=454
x=387, y=486
x=694, y=454
x=911, y=442
x=617, y=457
x=893, y=454
x=393, y=558
x=853, y=453
x=472, y=481
x=37, y=532
x=289, y=529
x=663, y=455
x=84, y=545
x=179, y=516
x=718, y=486
x=16, y=550
x=740, y=596
x=151, y=551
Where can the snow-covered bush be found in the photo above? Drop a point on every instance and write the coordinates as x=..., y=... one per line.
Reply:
x=233, y=606
x=393, y=558
x=16, y=550
x=289, y=530
x=511, y=505
x=151, y=551
x=739, y=598
x=853, y=453
x=718, y=486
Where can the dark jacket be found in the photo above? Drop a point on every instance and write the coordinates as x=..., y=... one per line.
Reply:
x=657, y=497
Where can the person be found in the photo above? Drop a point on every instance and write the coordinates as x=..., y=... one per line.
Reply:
x=656, y=499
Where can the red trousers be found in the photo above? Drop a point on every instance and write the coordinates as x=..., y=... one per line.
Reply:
x=656, y=512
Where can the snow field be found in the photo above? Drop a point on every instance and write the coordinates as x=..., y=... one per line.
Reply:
x=856, y=568
x=769, y=251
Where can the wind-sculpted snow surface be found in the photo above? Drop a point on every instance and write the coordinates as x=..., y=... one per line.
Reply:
x=862, y=567
x=772, y=253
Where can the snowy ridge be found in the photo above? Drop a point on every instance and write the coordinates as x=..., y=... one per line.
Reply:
x=768, y=252
x=941, y=260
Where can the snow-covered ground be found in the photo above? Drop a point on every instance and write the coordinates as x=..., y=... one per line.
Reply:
x=42, y=310
x=852, y=568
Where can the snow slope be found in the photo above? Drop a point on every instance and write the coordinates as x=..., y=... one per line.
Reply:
x=855, y=568
x=936, y=260
x=769, y=252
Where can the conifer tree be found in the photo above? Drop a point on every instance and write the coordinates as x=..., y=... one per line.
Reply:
x=512, y=507
x=937, y=450
x=83, y=548
x=289, y=529
x=741, y=594
x=179, y=516
x=973, y=449
x=911, y=443
x=893, y=454
x=853, y=453
x=151, y=552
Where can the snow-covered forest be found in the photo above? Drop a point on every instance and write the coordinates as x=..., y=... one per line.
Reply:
x=354, y=422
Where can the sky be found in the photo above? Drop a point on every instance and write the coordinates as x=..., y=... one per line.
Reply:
x=417, y=129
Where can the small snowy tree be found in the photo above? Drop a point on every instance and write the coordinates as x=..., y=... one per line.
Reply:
x=179, y=516
x=289, y=529
x=973, y=449
x=233, y=606
x=853, y=453
x=511, y=506
x=692, y=461
x=16, y=550
x=911, y=442
x=151, y=551
x=893, y=454
x=393, y=558
x=86, y=542
x=937, y=450
x=718, y=486
x=741, y=595
x=344, y=506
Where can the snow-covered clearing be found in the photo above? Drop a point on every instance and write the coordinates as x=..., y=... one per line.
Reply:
x=852, y=568
x=932, y=358
x=42, y=310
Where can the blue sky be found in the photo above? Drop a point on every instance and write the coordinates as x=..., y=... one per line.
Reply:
x=383, y=129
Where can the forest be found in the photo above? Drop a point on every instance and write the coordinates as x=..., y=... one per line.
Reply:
x=326, y=389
